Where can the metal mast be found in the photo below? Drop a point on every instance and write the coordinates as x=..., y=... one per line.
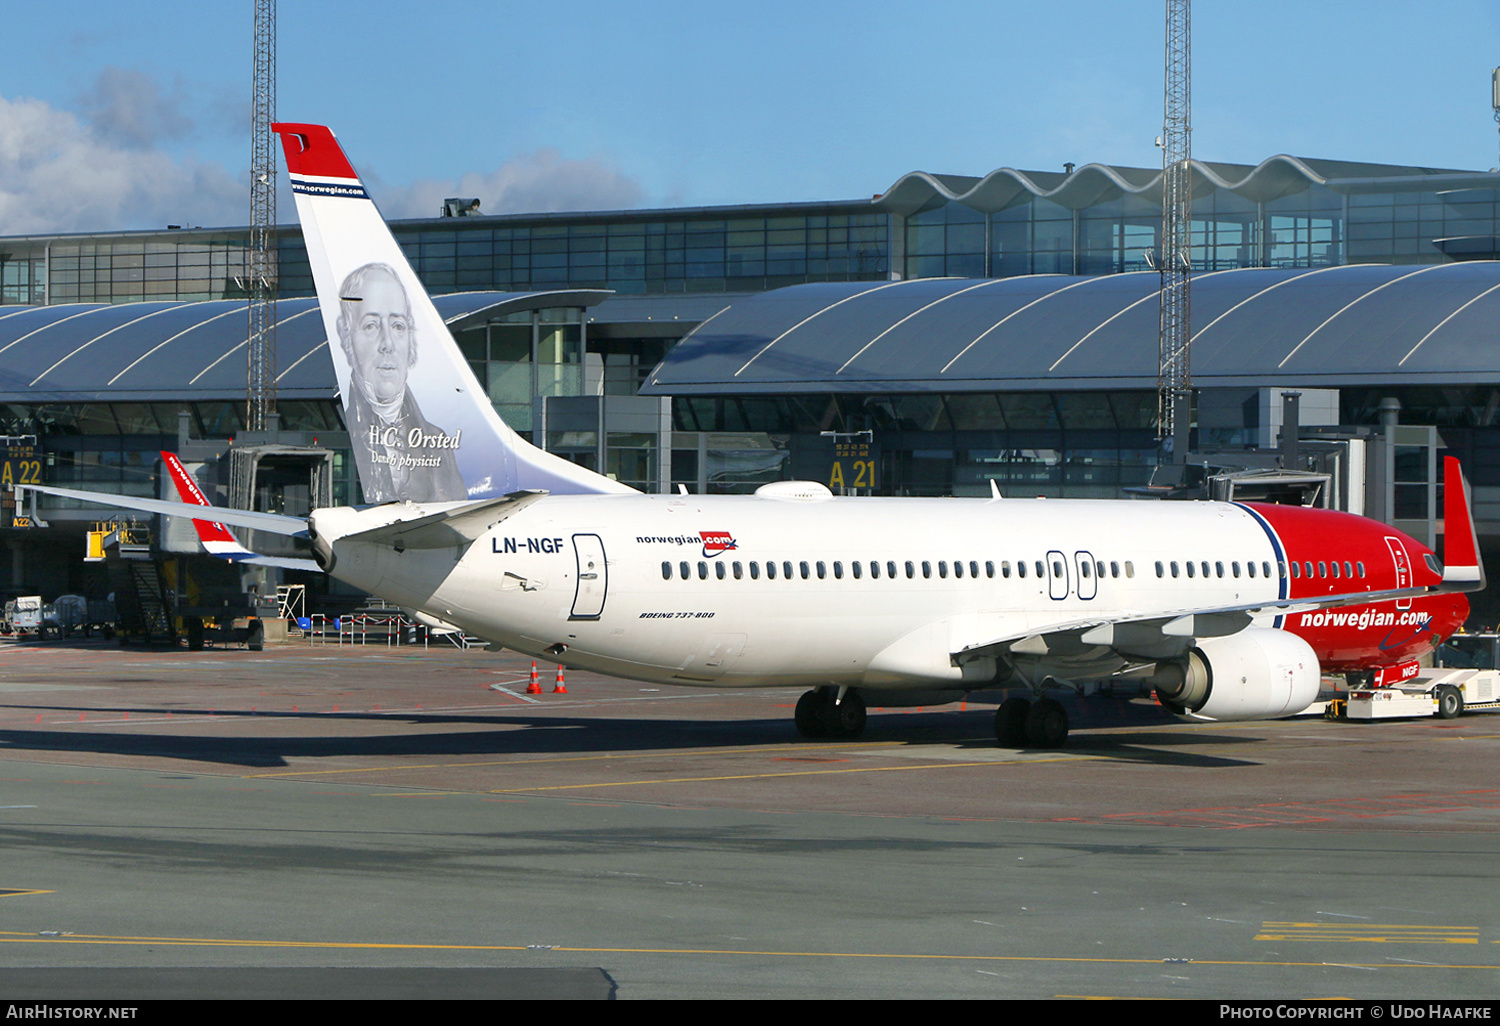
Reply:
x=260, y=383
x=1495, y=93
x=1174, y=383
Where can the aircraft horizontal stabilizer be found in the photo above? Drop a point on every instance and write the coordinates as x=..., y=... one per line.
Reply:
x=275, y=523
x=457, y=526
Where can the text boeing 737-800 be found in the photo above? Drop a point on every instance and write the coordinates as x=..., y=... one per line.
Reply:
x=1227, y=610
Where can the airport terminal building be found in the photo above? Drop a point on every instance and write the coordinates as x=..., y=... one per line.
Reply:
x=951, y=332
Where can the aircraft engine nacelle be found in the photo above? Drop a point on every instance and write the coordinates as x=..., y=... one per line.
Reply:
x=1258, y=674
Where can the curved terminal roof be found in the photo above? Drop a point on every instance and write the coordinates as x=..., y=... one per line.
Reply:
x=1091, y=184
x=1330, y=326
x=173, y=350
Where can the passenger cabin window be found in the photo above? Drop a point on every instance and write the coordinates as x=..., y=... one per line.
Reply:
x=989, y=569
x=1322, y=569
x=1219, y=568
x=803, y=567
x=1041, y=571
x=1159, y=572
x=1174, y=568
x=1234, y=567
x=1190, y=568
x=738, y=571
x=838, y=570
x=1004, y=569
x=755, y=570
x=1361, y=567
x=1129, y=568
x=1114, y=568
x=853, y=566
x=686, y=573
x=890, y=569
x=702, y=571
x=770, y=570
x=1250, y=569
x=1020, y=568
x=822, y=571
x=874, y=569
x=974, y=568
x=719, y=571
x=786, y=569
x=911, y=570
x=958, y=568
x=666, y=571
x=926, y=569
x=1335, y=569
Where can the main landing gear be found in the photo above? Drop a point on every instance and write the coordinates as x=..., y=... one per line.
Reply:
x=1021, y=723
x=821, y=714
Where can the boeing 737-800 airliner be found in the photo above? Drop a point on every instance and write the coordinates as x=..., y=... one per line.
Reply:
x=1228, y=610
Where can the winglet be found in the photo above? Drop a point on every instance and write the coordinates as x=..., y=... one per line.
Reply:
x=218, y=540
x=1461, y=564
x=215, y=536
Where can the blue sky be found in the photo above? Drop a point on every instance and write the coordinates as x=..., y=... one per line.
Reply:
x=130, y=116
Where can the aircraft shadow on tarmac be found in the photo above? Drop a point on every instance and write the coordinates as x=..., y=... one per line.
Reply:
x=521, y=733
x=509, y=854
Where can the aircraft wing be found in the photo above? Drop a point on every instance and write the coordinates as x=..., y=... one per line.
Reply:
x=1146, y=633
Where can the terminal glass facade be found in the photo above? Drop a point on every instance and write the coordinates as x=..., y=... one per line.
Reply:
x=633, y=254
x=1282, y=219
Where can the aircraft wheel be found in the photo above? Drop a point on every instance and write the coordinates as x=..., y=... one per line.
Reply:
x=1450, y=702
x=1047, y=724
x=844, y=719
x=1010, y=722
x=809, y=722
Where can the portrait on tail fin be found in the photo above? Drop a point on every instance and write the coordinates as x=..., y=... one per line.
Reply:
x=400, y=454
x=395, y=359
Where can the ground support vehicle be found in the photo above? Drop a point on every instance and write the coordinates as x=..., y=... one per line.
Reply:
x=1445, y=693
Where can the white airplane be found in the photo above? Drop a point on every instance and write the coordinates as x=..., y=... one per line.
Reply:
x=1229, y=611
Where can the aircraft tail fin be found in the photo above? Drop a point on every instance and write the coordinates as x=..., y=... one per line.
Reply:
x=1462, y=566
x=396, y=362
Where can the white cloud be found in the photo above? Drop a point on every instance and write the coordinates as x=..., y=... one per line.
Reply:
x=58, y=174
x=540, y=182
x=127, y=109
x=106, y=169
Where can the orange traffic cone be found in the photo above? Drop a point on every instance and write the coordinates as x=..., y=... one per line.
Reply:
x=535, y=687
x=559, y=689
